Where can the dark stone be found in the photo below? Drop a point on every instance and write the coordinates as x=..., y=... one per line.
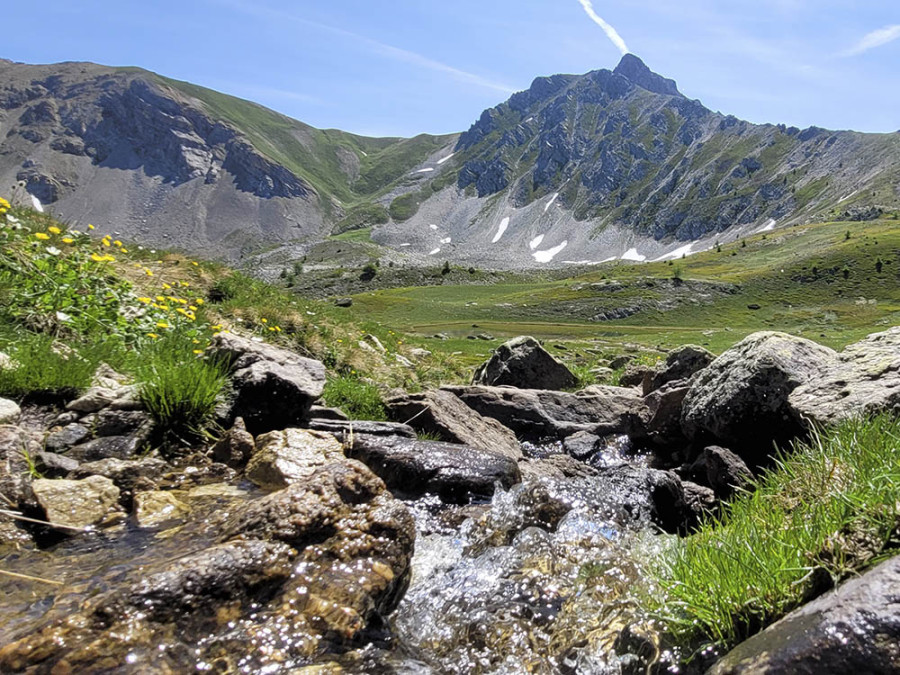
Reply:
x=522, y=362
x=116, y=447
x=109, y=422
x=458, y=473
x=680, y=364
x=52, y=465
x=725, y=471
x=344, y=302
x=235, y=448
x=754, y=306
x=582, y=445
x=663, y=419
x=344, y=429
x=855, y=629
x=323, y=413
x=65, y=438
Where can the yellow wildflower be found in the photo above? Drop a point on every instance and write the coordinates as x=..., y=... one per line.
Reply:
x=117, y=243
x=3, y=203
x=198, y=351
x=162, y=324
x=264, y=320
x=164, y=308
x=193, y=308
x=97, y=258
x=105, y=242
x=278, y=329
x=90, y=227
x=193, y=263
x=124, y=250
x=160, y=298
x=166, y=286
x=146, y=301
x=54, y=229
x=196, y=341
x=198, y=301
x=68, y=240
x=149, y=272
x=43, y=236
x=153, y=335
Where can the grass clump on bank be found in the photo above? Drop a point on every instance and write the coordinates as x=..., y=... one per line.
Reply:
x=828, y=509
x=38, y=369
x=359, y=399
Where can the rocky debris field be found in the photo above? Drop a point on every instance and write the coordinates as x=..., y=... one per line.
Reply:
x=450, y=539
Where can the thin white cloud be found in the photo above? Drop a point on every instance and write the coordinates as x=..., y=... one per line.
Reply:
x=876, y=38
x=611, y=32
x=389, y=51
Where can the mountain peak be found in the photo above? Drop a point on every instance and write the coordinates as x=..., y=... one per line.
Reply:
x=635, y=70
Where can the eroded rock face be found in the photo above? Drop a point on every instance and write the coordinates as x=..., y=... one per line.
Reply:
x=442, y=413
x=458, y=473
x=308, y=569
x=291, y=455
x=537, y=414
x=522, y=362
x=78, y=503
x=741, y=398
x=865, y=380
x=855, y=629
x=273, y=387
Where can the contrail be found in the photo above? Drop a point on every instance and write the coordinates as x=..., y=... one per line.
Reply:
x=611, y=32
x=876, y=38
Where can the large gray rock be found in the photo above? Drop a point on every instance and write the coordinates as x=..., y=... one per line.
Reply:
x=442, y=413
x=537, y=414
x=865, y=380
x=662, y=425
x=291, y=455
x=457, y=473
x=9, y=411
x=522, y=362
x=680, y=364
x=741, y=398
x=77, y=503
x=273, y=388
x=855, y=629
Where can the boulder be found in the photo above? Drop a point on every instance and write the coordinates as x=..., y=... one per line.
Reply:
x=854, y=629
x=725, y=471
x=522, y=362
x=344, y=429
x=273, y=388
x=741, y=398
x=157, y=508
x=9, y=411
x=457, y=473
x=291, y=455
x=125, y=473
x=635, y=374
x=662, y=423
x=77, y=503
x=582, y=445
x=118, y=422
x=865, y=380
x=680, y=364
x=236, y=447
x=441, y=413
x=537, y=414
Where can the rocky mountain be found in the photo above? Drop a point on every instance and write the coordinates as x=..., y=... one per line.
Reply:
x=169, y=163
x=610, y=164
x=621, y=164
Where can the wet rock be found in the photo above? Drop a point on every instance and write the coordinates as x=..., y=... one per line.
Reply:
x=442, y=413
x=323, y=413
x=663, y=419
x=13, y=535
x=855, y=629
x=680, y=364
x=582, y=445
x=16, y=445
x=65, y=438
x=115, y=447
x=53, y=465
x=536, y=414
x=77, y=503
x=156, y=508
x=125, y=473
x=741, y=398
x=725, y=471
x=236, y=447
x=9, y=411
x=865, y=380
x=273, y=387
x=285, y=457
x=556, y=466
x=700, y=501
x=458, y=473
x=344, y=429
x=522, y=362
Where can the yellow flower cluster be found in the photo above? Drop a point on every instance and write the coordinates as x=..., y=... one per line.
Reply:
x=4, y=206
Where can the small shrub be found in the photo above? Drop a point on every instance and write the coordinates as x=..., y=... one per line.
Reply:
x=358, y=399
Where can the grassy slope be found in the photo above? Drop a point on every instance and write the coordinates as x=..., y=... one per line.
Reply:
x=773, y=270
x=313, y=153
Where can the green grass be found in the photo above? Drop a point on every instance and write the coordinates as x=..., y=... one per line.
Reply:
x=360, y=400
x=180, y=389
x=830, y=506
x=41, y=368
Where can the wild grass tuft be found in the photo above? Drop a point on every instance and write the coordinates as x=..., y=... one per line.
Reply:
x=828, y=509
x=180, y=389
x=359, y=399
x=40, y=368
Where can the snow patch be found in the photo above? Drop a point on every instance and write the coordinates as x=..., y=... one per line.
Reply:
x=605, y=260
x=550, y=253
x=445, y=240
x=364, y=153
x=500, y=230
x=37, y=204
x=426, y=170
x=433, y=226
x=632, y=254
x=770, y=225
x=405, y=244
x=534, y=243
x=677, y=253
x=550, y=203
x=441, y=161
x=437, y=250
x=843, y=199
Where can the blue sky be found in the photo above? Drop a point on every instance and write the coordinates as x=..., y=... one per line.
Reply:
x=401, y=67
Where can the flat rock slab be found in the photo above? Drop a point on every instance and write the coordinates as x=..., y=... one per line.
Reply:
x=855, y=629
x=345, y=429
x=865, y=380
x=77, y=503
x=538, y=414
x=291, y=455
x=458, y=473
x=442, y=413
